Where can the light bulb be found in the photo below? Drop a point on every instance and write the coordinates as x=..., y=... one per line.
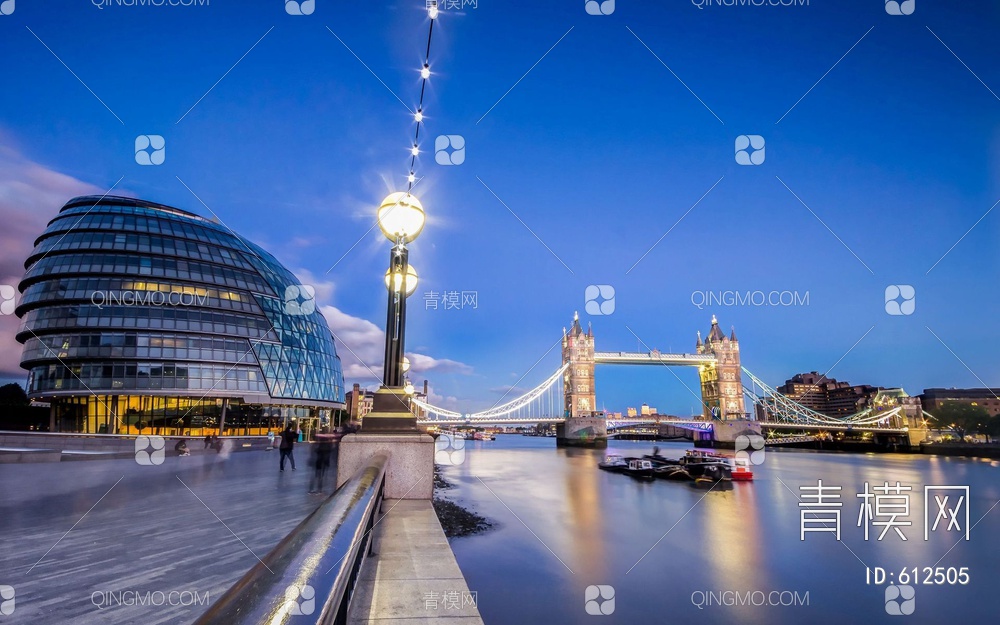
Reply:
x=411, y=177
x=433, y=11
x=426, y=71
x=418, y=116
x=414, y=151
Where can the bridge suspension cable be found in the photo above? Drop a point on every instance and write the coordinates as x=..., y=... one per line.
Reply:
x=782, y=408
x=430, y=409
x=522, y=401
x=544, y=402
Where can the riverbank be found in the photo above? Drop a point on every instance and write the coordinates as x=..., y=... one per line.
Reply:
x=456, y=520
x=970, y=450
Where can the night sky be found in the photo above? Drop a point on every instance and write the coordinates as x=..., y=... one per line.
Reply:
x=612, y=161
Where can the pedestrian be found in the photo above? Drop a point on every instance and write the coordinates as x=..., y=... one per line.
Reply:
x=181, y=448
x=208, y=440
x=288, y=437
x=320, y=462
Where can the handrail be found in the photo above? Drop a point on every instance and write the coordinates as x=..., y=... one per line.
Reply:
x=313, y=570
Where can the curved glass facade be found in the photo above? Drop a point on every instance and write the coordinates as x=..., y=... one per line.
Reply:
x=136, y=315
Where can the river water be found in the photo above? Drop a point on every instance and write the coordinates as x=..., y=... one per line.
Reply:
x=678, y=553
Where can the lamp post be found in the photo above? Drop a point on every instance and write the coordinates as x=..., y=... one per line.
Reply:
x=401, y=218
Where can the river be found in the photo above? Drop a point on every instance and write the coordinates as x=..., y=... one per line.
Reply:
x=672, y=552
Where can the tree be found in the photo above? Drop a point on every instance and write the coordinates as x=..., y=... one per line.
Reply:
x=13, y=395
x=963, y=419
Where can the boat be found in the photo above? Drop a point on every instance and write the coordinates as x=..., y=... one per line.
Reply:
x=640, y=469
x=659, y=460
x=672, y=472
x=741, y=470
x=707, y=466
x=613, y=463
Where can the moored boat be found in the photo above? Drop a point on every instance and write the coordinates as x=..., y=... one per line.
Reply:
x=640, y=469
x=672, y=472
x=741, y=470
x=706, y=465
x=613, y=463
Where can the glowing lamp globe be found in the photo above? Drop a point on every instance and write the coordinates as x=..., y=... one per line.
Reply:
x=396, y=282
x=406, y=364
x=401, y=216
x=408, y=389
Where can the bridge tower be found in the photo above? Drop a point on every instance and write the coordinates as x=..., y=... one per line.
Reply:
x=721, y=381
x=578, y=381
x=584, y=426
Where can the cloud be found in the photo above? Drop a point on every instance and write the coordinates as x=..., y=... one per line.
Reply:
x=30, y=196
x=361, y=345
x=324, y=288
x=422, y=363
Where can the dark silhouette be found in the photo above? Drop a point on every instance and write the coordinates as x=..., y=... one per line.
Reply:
x=320, y=462
x=288, y=438
x=208, y=440
x=182, y=448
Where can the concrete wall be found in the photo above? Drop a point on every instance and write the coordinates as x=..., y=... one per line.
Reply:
x=724, y=432
x=582, y=432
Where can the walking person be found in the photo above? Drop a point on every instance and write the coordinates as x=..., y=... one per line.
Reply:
x=288, y=437
x=320, y=462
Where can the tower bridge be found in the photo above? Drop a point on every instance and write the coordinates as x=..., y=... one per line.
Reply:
x=568, y=397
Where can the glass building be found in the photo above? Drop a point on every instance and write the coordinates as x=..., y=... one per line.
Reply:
x=142, y=318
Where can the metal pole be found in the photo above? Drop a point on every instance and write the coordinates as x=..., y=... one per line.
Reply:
x=395, y=322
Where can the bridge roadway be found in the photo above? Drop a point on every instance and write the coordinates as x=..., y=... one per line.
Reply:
x=70, y=529
x=651, y=358
x=690, y=424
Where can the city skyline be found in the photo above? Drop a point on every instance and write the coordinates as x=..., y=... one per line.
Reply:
x=882, y=173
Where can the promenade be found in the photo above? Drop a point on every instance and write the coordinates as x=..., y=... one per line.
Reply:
x=78, y=535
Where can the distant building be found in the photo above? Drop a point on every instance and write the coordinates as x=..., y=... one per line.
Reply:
x=630, y=412
x=644, y=410
x=420, y=396
x=359, y=402
x=827, y=395
x=932, y=398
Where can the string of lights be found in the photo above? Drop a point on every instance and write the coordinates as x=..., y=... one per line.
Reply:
x=425, y=74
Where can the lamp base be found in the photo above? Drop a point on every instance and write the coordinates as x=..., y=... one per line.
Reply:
x=390, y=414
x=410, y=473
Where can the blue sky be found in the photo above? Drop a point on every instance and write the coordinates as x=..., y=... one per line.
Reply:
x=597, y=151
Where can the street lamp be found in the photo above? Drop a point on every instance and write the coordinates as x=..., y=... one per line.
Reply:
x=400, y=282
x=401, y=218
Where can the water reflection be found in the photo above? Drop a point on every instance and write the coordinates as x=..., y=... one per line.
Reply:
x=585, y=511
x=659, y=542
